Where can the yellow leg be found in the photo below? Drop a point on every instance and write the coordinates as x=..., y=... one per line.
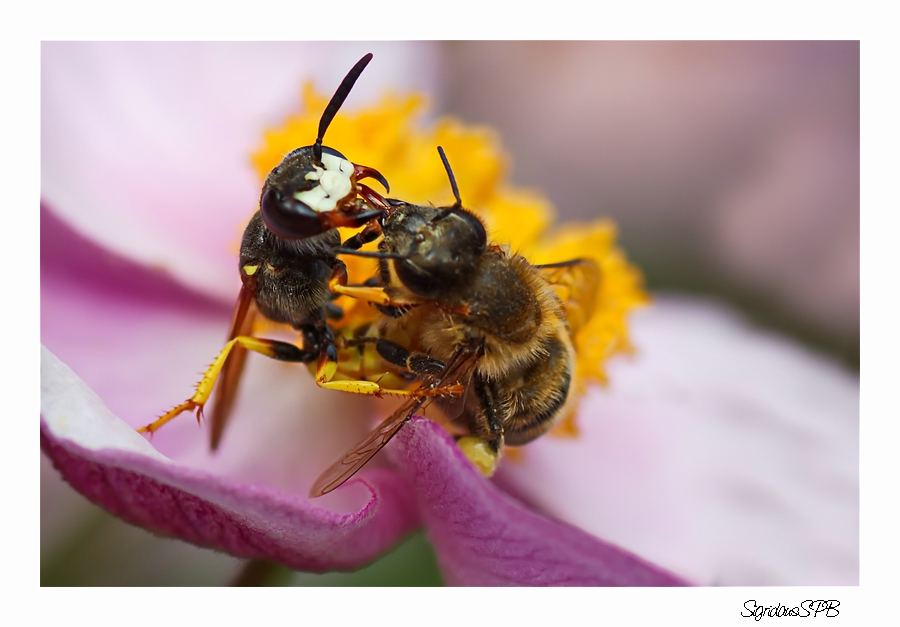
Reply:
x=377, y=295
x=326, y=370
x=284, y=351
x=373, y=389
x=369, y=294
x=269, y=348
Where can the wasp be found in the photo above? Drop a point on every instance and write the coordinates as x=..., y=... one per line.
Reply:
x=289, y=268
x=475, y=315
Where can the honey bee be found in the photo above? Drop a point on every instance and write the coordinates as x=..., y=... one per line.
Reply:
x=289, y=268
x=480, y=316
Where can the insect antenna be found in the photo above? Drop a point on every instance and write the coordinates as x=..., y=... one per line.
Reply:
x=337, y=100
x=374, y=254
x=451, y=177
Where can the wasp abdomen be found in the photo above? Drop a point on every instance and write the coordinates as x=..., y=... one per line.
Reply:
x=292, y=275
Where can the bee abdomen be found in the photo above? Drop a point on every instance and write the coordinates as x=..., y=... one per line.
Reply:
x=533, y=405
x=541, y=416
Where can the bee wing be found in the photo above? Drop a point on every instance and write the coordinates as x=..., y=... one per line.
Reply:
x=365, y=450
x=453, y=406
x=462, y=362
x=577, y=283
x=230, y=376
x=460, y=368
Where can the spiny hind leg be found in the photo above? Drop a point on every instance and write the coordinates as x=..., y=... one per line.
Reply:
x=323, y=349
x=282, y=351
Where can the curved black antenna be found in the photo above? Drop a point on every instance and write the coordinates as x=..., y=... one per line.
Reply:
x=337, y=100
x=374, y=254
x=450, y=175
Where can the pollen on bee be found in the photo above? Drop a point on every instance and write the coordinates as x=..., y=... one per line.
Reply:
x=479, y=453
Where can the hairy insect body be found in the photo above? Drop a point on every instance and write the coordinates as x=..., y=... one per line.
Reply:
x=486, y=297
x=473, y=315
x=532, y=397
x=289, y=268
x=291, y=276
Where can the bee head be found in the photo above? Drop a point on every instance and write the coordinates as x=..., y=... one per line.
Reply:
x=436, y=247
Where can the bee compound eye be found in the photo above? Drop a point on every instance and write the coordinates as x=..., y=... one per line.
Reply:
x=479, y=235
x=288, y=218
x=418, y=280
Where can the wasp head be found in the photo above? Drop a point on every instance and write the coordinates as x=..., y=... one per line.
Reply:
x=315, y=188
x=300, y=192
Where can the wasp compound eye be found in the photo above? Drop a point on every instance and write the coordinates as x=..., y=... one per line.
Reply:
x=334, y=153
x=300, y=195
x=288, y=218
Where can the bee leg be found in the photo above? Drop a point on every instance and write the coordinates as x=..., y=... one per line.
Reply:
x=322, y=336
x=484, y=450
x=393, y=353
x=376, y=295
x=282, y=351
x=370, y=388
x=417, y=363
x=393, y=311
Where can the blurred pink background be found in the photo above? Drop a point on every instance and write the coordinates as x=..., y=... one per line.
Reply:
x=732, y=168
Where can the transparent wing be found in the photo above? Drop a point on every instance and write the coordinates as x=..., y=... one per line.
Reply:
x=459, y=366
x=365, y=450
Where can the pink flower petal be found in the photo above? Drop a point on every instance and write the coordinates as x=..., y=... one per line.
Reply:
x=113, y=466
x=719, y=452
x=485, y=538
x=145, y=147
x=134, y=336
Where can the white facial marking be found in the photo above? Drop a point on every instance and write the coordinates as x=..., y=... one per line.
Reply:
x=334, y=184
